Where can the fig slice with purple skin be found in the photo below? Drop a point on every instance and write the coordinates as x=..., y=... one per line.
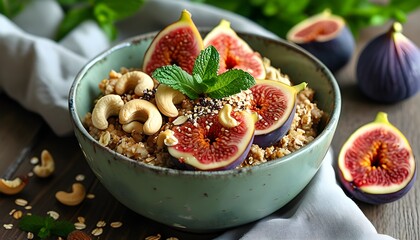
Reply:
x=234, y=51
x=208, y=145
x=275, y=103
x=376, y=164
x=179, y=43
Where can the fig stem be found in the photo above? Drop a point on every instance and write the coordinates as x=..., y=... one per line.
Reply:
x=382, y=117
x=300, y=86
x=396, y=27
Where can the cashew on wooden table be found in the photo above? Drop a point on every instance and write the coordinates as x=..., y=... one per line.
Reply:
x=73, y=198
x=47, y=166
x=11, y=187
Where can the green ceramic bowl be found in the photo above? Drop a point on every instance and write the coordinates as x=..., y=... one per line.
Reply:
x=206, y=201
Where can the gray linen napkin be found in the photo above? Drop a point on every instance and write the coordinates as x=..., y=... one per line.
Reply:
x=37, y=72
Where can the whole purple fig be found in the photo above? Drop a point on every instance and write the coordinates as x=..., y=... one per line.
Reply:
x=388, y=68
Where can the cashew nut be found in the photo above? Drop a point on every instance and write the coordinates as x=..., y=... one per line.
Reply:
x=143, y=111
x=72, y=198
x=106, y=106
x=166, y=98
x=47, y=166
x=138, y=80
x=166, y=137
x=133, y=126
x=11, y=187
x=225, y=117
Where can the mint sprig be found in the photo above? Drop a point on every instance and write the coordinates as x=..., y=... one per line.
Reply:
x=204, y=79
x=45, y=227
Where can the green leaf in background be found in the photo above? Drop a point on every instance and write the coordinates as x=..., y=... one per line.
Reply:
x=10, y=8
x=279, y=16
x=122, y=9
x=72, y=19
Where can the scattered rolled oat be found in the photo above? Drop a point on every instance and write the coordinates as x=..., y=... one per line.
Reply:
x=116, y=224
x=12, y=211
x=30, y=235
x=81, y=219
x=8, y=226
x=28, y=207
x=153, y=237
x=53, y=214
x=30, y=174
x=97, y=231
x=172, y=238
x=101, y=224
x=34, y=160
x=21, y=202
x=79, y=225
x=90, y=196
x=80, y=177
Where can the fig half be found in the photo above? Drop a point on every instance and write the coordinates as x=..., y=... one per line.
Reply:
x=327, y=37
x=275, y=103
x=179, y=43
x=234, y=51
x=208, y=145
x=376, y=164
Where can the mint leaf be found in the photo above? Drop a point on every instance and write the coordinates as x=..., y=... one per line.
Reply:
x=44, y=227
x=31, y=223
x=177, y=78
x=205, y=79
x=62, y=228
x=230, y=82
x=207, y=63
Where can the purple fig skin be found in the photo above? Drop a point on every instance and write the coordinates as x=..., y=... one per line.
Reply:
x=335, y=53
x=266, y=140
x=388, y=68
x=376, y=199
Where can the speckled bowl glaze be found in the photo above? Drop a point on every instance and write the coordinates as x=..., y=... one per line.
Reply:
x=206, y=201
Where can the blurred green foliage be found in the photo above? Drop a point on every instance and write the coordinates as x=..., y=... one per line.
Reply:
x=279, y=16
x=104, y=12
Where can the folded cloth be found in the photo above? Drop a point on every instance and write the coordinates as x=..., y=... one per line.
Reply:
x=37, y=72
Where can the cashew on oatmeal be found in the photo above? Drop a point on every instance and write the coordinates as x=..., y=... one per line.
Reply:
x=135, y=114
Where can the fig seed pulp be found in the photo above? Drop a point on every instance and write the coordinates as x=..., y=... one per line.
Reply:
x=376, y=164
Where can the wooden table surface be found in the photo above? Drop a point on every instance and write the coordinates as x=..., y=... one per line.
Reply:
x=24, y=135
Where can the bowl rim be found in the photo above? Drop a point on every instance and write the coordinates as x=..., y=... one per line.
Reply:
x=333, y=118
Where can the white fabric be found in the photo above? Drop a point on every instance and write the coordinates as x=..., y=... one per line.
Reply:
x=37, y=72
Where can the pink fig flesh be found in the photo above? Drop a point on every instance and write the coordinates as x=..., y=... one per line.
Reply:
x=376, y=164
x=207, y=145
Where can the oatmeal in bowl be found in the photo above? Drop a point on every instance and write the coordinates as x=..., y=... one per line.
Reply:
x=212, y=144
